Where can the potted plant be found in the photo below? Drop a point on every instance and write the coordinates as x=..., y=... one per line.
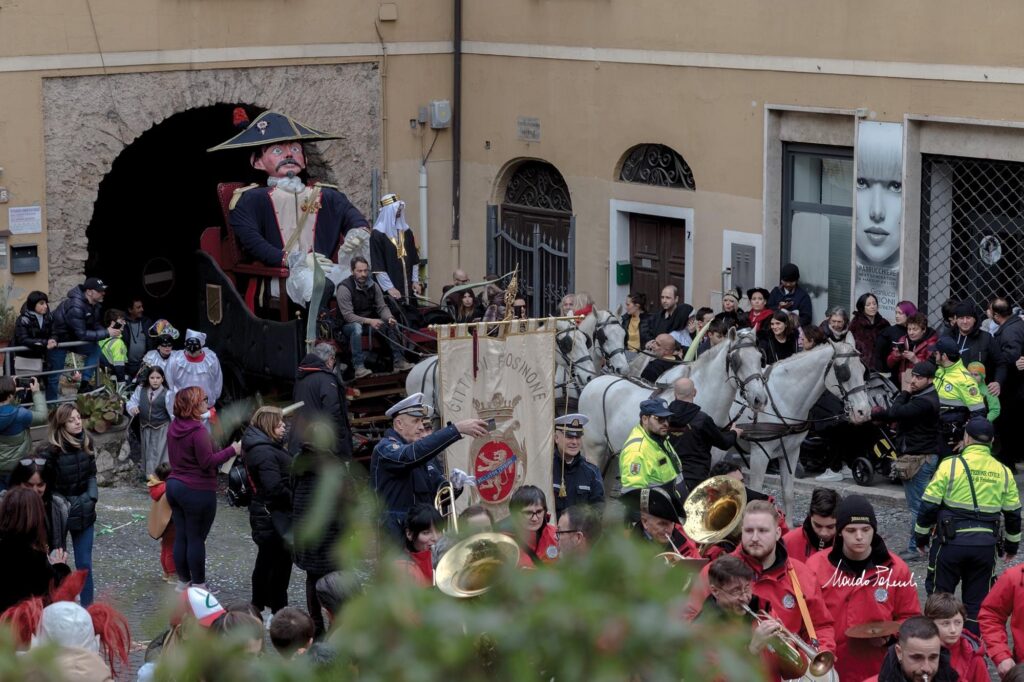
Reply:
x=102, y=410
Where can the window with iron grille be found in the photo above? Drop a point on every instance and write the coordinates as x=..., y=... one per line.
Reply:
x=972, y=214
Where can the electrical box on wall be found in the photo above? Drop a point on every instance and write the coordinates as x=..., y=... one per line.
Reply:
x=24, y=259
x=440, y=114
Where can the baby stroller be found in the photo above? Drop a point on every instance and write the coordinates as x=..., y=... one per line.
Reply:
x=866, y=449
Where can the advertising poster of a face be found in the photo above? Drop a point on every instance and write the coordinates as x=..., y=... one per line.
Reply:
x=879, y=229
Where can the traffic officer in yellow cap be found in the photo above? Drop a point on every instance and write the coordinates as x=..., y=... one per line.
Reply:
x=959, y=396
x=404, y=469
x=647, y=458
x=961, y=507
x=575, y=480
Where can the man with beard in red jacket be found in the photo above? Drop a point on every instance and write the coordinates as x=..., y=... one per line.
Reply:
x=787, y=585
x=1005, y=601
x=819, y=528
x=862, y=582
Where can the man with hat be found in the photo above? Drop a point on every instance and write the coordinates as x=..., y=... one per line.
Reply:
x=862, y=582
x=287, y=216
x=164, y=334
x=959, y=395
x=916, y=414
x=974, y=344
x=660, y=519
x=962, y=507
x=79, y=317
x=404, y=468
x=647, y=458
x=393, y=253
x=789, y=297
x=575, y=480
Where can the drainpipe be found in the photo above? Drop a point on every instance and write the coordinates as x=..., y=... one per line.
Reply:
x=423, y=222
x=456, y=118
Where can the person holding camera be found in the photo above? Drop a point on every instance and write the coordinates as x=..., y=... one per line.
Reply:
x=78, y=318
x=15, y=421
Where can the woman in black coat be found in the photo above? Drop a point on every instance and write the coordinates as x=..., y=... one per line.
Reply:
x=70, y=453
x=26, y=570
x=34, y=326
x=268, y=464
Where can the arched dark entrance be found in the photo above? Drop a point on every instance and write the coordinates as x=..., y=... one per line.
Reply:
x=153, y=205
x=536, y=234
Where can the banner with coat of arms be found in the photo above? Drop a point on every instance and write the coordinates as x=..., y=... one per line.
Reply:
x=509, y=377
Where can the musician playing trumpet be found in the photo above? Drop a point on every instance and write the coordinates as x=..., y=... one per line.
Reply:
x=787, y=585
x=862, y=582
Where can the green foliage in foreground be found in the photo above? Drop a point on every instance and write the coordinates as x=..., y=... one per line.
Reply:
x=614, y=615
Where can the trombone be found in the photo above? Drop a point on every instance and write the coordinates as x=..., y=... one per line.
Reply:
x=795, y=657
x=444, y=503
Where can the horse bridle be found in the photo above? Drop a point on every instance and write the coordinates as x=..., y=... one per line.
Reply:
x=571, y=364
x=732, y=363
x=843, y=374
x=601, y=338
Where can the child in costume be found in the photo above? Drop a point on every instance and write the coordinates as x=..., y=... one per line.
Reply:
x=160, y=524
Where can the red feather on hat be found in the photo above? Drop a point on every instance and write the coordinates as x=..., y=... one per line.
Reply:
x=239, y=118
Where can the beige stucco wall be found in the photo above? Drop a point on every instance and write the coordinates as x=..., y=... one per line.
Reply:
x=591, y=109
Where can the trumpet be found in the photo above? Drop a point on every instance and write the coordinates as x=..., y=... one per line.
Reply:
x=795, y=657
x=444, y=503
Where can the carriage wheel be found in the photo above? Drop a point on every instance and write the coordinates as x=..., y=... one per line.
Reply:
x=863, y=471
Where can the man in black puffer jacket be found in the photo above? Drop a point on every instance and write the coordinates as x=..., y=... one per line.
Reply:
x=79, y=317
x=320, y=441
x=693, y=433
x=974, y=344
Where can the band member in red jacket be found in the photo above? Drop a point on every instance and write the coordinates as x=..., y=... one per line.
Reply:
x=778, y=580
x=966, y=652
x=862, y=582
x=1005, y=601
x=530, y=525
x=819, y=528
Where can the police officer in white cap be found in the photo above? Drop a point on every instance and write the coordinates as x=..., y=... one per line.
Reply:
x=403, y=468
x=576, y=481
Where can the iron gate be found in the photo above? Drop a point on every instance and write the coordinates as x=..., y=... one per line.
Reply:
x=536, y=233
x=972, y=244
x=542, y=247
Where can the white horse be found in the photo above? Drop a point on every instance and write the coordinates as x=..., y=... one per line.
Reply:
x=609, y=347
x=613, y=403
x=794, y=385
x=574, y=367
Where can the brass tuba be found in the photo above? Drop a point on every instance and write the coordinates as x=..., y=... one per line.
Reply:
x=713, y=510
x=469, y=567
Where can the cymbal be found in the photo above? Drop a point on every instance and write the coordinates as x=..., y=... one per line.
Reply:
x=878, y=628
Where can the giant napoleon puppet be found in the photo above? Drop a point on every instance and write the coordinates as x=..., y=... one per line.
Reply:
x=288, y=222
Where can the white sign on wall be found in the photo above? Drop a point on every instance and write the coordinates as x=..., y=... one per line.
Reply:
x=25, y=219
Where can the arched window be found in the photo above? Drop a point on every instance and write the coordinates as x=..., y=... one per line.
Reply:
x=537, y=184
x=656, y=164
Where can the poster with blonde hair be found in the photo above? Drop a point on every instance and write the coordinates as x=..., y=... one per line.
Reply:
x=878, y=188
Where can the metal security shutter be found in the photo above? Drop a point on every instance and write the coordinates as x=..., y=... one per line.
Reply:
x=971, y=237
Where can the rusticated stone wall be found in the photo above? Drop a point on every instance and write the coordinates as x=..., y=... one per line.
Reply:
x=89, y=120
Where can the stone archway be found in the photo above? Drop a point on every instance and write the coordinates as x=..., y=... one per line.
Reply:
x=90, y=120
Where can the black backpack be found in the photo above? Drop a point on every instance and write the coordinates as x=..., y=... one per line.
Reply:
x=240, y=486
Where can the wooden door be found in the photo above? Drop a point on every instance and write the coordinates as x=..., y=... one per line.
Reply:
x=658, y=256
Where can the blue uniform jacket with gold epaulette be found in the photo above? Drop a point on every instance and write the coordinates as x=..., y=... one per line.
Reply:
x=405, y=473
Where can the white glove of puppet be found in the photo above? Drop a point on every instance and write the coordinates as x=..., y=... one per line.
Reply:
x=460, y=479
x=354, y=239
